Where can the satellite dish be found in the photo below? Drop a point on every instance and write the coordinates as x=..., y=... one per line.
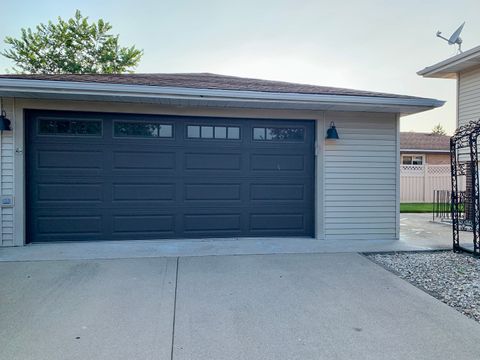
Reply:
x=455, y=38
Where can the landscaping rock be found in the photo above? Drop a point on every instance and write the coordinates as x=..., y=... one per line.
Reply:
x=453, y=278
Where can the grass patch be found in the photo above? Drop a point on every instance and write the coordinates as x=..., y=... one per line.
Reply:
x=416, y=207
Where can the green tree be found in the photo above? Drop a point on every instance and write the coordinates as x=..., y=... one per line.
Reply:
x=74, y=46
x=438, y=130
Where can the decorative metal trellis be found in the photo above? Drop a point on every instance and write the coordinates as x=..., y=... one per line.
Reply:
x=465, y=212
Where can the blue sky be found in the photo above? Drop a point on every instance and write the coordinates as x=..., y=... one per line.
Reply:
x=371, y=45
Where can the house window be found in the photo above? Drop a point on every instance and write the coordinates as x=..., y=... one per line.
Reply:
x=278, y=134
x=412, y=159
x=142, y=129
x=70, y=127
x=213, y=132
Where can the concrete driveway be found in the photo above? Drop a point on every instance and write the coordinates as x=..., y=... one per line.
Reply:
x=289, y=306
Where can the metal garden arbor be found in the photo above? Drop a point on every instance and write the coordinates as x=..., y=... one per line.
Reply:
x=464, y=161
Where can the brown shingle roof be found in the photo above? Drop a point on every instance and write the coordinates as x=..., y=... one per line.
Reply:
x=424, y=141
x=203, y=81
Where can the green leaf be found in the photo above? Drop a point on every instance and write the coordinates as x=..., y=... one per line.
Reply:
x=70, y=46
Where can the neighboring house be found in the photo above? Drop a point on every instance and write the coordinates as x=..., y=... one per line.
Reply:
x=424, y=148
x=150, y=156
x=465, y=68
x=424, y=166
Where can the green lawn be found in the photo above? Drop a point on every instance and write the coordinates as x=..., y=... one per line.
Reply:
x=416, y=207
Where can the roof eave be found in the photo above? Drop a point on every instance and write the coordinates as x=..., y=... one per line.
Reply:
x=449, y=68
x=413, y=150
x=45, y=89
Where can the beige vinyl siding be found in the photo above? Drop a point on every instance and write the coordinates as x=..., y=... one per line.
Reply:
x=6, y=177
x=361, y=177
x=468, y=96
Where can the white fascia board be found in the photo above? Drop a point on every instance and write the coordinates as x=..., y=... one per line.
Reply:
x=450, y=67
x=121, y=92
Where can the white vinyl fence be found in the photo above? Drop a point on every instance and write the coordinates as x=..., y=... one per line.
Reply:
x=417, y=182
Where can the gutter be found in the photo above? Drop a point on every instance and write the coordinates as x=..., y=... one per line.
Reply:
x=34, y=87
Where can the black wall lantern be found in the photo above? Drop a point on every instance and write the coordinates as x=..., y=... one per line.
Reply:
x=4, y=122
x=332, y=133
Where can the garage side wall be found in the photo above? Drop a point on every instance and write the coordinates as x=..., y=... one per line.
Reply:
x=361, y=177
x=6, y=177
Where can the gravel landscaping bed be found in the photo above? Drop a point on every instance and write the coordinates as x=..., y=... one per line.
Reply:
x=453, y=278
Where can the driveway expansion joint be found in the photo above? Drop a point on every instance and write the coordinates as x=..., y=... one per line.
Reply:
x=174, y=308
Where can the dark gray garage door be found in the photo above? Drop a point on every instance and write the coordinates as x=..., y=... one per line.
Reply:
x=102, y=176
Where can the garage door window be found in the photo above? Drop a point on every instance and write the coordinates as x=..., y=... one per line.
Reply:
x=70, y=127
x=278, y=134
x=234, y=133
x=142, y=129
x=213, y=132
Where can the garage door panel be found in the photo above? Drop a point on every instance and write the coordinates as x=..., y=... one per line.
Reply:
x=212, y=161
x=144, y=224
x=277, y=221
x=74, y=224
x=135, y=160
x=277, y=192
x=278, y=163
x=68, y=192
x=69, y=160
x=212, y=192
x=146, y=187
x=212, y=223
x=143, y=192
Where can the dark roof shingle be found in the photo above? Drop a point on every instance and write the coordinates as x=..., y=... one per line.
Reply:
x=424, y=141
x=203, y=81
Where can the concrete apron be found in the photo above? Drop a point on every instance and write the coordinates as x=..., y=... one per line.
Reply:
x=203, y=247
x=303, y=306
x=417, y=233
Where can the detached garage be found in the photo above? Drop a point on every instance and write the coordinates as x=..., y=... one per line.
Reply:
x=162, y=156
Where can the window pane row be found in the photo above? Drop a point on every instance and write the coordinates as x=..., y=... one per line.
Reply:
x=213, y=132
x=278, y=134
x=70, y=127
x=142, y=129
